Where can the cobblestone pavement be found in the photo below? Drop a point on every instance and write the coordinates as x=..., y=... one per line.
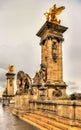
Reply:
x=11, y=122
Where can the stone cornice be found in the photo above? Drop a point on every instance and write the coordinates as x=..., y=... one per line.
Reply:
x=51, y=26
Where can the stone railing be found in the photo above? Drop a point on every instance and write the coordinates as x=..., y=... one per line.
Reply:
x=64, y=111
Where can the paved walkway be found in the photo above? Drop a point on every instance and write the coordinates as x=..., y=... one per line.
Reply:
x=11, y=122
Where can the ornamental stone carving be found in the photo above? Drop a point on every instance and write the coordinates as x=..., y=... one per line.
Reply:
x=23, y=82
x=40, y=77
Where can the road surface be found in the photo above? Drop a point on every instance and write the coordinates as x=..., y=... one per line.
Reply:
x=11, y=122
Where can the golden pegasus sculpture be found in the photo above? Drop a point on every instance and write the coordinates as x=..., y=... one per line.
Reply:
x=11, y=69
x=51, y=16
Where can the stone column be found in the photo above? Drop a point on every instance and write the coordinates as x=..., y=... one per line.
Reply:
x=51, y=55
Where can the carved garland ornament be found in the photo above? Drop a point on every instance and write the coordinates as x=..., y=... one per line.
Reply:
x=54, y=51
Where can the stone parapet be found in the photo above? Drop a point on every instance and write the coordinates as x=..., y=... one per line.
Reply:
x=64, y=111
x=21, y=102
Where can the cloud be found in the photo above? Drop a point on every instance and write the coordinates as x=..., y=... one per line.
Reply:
x=2, y=88
x=1, y=91
x=19, y=45
x=2, y=80
x=2, y=74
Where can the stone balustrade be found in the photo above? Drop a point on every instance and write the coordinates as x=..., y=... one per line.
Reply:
x=64, y=111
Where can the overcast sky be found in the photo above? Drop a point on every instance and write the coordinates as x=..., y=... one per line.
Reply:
x=20, y=20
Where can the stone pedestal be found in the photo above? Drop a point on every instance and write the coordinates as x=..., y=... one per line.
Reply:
x=10, y=83
x=51, y=58
x=21, y=103
x=8, y=94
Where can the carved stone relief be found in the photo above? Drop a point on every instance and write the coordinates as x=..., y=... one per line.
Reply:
x=40, y=77
x=54, y=51
x=57, y=92
x=23, y=82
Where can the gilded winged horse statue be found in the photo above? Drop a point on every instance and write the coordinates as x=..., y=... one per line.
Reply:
x=53, y=12
x=11, y=68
